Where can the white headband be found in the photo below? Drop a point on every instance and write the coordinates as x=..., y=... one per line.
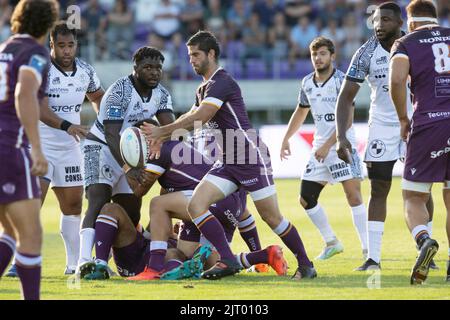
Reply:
x=422, y=19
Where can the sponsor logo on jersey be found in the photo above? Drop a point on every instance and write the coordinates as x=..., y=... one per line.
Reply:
x=329, y=117
x=56, y=81
x=81, y=89
x=67, y=109
x=58, y=90
x=413, y=171
x=382, y=60
x=435, y=39
x=38, y=63
x=6, y=56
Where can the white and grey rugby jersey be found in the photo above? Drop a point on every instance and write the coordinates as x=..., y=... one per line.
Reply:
x=66, y=92
x=321, y=98
x=122, y=102
x=371, y=61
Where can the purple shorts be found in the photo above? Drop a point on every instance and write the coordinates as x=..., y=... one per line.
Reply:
x=228, y=211
x=428, y=153
x=16, y=181
x=132, y=259
x=256, y=179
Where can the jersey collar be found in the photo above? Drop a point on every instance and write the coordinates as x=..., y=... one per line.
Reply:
x=325, y=82
x=144, y=99
x=64, y=72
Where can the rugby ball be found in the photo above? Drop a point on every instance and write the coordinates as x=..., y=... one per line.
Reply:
x=133, y=147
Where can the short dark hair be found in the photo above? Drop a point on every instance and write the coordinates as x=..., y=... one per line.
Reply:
x=391, y=6
x=147, y=52
x=62, y=29
x=421, y=8
x=322, y=42
x=205, y=41
x=34, y=17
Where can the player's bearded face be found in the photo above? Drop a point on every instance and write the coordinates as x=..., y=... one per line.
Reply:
x=64, y=49
x=199, y=60
x=386, y=24
x=321, y=59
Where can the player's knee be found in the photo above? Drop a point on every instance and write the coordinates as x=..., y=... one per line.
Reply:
x=30, y=238
x=72, y=208
x=112, y=210
x=353, y=197
x=309, y=194
x=380, y=189
x=195, y=209
x=156, y=206
x=272, y=220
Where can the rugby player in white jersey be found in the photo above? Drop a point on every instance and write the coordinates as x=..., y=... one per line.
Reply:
x=318, y=93
x=70, y=80
x=127, y=101
x=384, y=145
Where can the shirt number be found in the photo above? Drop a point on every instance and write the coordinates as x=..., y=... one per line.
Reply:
x=3, y=81
x=441, y=53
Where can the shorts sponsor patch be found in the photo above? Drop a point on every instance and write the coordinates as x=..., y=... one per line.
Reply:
x=377, y=148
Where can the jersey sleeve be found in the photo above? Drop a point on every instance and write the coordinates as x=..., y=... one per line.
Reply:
x=37, y=60
x=303, y=101
x=399, y=49
x=94, y=81
x=360, y=63
x=216, y=93
x=160, y=165
x=165, y=103
x=116, y=100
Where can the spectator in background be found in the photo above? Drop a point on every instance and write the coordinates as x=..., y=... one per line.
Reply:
x=94, y=23
x=215, y=19
x=354, y=36
x=295, y=9
x=332, y=11
x=254, y=39
x=267, y=9
x=166, y=21
x=278, y=38
x=192, y=17
x=335, y=34
x=301, y=36
x=5, y=15
x=159, y=43
x=120, y=30
x=237, y=16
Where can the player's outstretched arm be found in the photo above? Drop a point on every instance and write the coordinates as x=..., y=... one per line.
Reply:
x=296, y=121
x=27, y=108
x=344, y=118
x=398, y=76
x=156, y=135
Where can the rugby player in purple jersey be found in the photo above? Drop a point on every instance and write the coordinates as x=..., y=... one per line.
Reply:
x=423, y=56
x=245, y=162
x=24, y=63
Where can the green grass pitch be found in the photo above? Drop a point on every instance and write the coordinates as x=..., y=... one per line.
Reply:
x=336, y=280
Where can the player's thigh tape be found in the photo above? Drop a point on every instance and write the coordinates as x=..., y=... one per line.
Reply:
x=380, y=170
x=310, y=192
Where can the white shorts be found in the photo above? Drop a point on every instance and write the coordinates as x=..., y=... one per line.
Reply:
x=65, y=167
x=101, y=167
x=333, y=169
x=384, y=144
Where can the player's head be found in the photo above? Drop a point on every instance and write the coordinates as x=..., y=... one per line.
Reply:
x=148, y=63
x=204, y=51
x=63, y=44
x=420, y=12
x=322, y=53
x=34, y=17
x=387, y=20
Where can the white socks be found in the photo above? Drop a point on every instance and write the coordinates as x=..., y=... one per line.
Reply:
x=70, y=232
x=87, y=236
x=359, y=215
x=375, y=234
x=320, y=220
